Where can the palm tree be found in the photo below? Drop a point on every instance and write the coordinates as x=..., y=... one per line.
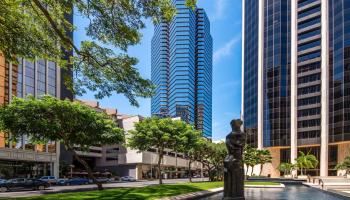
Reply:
x=306, y=161
x=264, y=156
x=250, y=158
x=282, y=168
x=345, y=165
x=286, y=168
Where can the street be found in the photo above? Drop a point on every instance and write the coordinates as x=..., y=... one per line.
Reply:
x=72, y=188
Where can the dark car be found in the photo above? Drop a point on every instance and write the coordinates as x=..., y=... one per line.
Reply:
x=73, y=181
x=23, y=184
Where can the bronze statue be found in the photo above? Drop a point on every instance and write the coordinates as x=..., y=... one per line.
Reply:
x=233, y=164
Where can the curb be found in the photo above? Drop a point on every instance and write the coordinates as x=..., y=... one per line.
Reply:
x=195, y=195
x=265, y=186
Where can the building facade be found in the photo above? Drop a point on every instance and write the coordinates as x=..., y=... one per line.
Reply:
x=182, y=68
x=124, y=161
x=119, y=160
x=19, y=157
x=300, y=98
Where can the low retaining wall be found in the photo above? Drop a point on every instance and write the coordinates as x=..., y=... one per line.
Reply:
x=195, y=195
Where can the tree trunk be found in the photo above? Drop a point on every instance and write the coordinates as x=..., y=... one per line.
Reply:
x=251, y=173
x=261, y=168
x=210, y=172
x=189, y=170
x=176, y=173
x=160, y=157
x=246, y=171
x=88, y=169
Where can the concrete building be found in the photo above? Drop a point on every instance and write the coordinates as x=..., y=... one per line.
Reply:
x=182, y=68
x=299, y=99
x=95, y=155
x=143, y=165
x=123, y=161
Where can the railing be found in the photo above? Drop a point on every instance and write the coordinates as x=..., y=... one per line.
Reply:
x=321, y=182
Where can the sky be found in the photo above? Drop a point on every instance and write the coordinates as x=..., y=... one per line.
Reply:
x=226, y=25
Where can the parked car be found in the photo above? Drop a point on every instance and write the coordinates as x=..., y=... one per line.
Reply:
x=128, y=178
x=23, y=184
x=3, y=180
x=49, y=179
x=102, y=179
x=73, y=181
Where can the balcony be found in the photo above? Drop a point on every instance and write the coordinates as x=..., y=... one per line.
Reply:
x=25, y=155
x=309, y=141
x=308, y=4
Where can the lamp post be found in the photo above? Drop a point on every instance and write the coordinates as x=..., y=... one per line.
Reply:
x=71, y=170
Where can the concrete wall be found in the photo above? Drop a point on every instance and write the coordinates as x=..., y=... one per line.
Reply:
x=343, y=151
x=271, y=168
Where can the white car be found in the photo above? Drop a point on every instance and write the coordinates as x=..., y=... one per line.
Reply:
x=128, y=178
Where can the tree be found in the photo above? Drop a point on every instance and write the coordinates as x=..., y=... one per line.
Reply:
x=42, y=28
x=213, y=156
x=250, y=158
x=158, y=133
x=263, y=156
x=205, y=154
x=50, y=119
x=218, y=158
x=306, y=161
x=190, y=143
x=345, y=165
x=286, y=168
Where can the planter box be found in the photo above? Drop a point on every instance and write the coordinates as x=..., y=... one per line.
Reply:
x=302, y=177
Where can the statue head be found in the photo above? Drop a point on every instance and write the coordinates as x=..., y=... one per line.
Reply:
x=236, y=139
x=236, y=125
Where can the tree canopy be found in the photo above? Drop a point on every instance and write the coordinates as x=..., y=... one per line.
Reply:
x=42, y=29
x=50, y=119
x=345, y=165
x=306, y=161
x=253, y=157
x=162, y=134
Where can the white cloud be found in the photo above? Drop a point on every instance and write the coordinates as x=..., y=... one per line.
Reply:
x=226, y=50
x=220, y=7
x=216, y=124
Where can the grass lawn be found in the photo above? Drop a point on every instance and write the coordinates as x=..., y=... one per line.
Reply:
x=149, y=192
x=260, y=183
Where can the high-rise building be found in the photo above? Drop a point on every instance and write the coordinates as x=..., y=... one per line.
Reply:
x=296, y=79
x=182, y=68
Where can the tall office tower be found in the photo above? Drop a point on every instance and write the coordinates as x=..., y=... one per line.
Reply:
x=182, y=68
x=299, y=99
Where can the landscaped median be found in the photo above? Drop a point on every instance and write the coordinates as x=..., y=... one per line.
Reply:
x=175, y=191
x=148, y=193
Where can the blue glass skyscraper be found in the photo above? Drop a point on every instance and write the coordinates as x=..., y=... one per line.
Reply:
x=182, y=68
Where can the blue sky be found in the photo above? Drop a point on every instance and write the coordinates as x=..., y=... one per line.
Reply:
x=225, y=18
